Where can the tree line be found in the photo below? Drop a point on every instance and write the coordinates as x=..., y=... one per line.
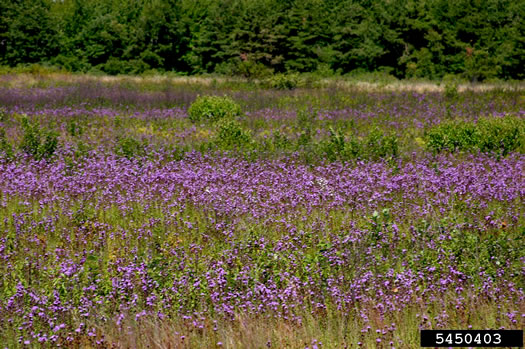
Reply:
x=477, y=39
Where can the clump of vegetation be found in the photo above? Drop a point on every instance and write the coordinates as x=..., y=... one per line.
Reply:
x=284, y=81
x=231, y=135
x=451, y=90
x=39, y=142
x=130, y=147
x=5, y=146
x=213, y=108
x=3, y=115
x=376, y=145
x=75, y=128
x=501, y=135
x=380, y=145
x=496, y=135
x=251, y=70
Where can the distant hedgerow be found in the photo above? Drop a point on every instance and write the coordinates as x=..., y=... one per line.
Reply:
x=213, y=108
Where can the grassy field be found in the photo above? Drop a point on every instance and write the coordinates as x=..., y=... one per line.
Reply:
x=336, y=214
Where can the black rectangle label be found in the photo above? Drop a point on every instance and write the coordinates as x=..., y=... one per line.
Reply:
x=471, y=338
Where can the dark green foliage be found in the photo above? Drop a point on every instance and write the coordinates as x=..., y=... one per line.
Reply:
x=39, y=142
x=497, y=135
x=27, y=32
x=213, y=108
x=249, y=69
x=115, y=66
x=474, y=39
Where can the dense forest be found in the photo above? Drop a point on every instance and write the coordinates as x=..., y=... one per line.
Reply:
x=476, y=39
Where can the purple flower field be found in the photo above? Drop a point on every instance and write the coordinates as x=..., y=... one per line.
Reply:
x=114, y=241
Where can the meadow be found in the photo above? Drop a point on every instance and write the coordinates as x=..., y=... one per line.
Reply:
x=145, y=213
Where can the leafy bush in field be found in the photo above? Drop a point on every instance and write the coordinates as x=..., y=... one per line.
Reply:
x=251, y=69
x=74, y=128
x=213, y=108
x=3, y=115
x=38, y=142
x=284, y=81
x=130, y=147
x=376, y=145
x=5, y=146
x=501, y=135
x=451, y=90
x=280, y=141
x=379, y=145
x=497, y=135
x=231, y=135
x=276, y=141
x=305, y=117
x=114, y=66
x=451, y=136
x=336, y=145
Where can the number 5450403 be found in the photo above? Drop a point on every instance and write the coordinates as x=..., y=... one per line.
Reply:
x=467, y=338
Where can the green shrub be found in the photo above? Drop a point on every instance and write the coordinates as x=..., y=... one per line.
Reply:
x=5, y=146
x=284, y=81
x=334, y=147
x=502, y=135
x=231, y=135
x=381, y=76
x=452, y=136
x=305, y=138
x=178, y=152
x=378, y=145
x=70, y=63
x=74, y=128
x=82, y=149
x=305, y=117
x=213, y=108
x=130, y=147
x=451, y=90
x=3, y=115
x=252, y=70
x=38, y=142
x=280, y=141
x=115, y=66
x=49, y=145
x=496, y=135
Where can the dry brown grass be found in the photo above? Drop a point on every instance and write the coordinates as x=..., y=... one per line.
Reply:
x=37, y=79
x=331, y=328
